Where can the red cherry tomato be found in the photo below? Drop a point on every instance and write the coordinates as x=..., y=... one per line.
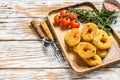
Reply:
x=57, y=19
x=72, y=15
x=75, y=24
x=66, y=22
x=64, y=13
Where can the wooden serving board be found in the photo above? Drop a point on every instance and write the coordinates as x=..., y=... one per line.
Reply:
x=76, y=63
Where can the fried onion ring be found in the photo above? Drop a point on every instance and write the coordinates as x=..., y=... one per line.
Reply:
x=89, y=32
x=85, y=49
x=93, y=61
x=101, y=53
x=102, y=40
x=72, y=37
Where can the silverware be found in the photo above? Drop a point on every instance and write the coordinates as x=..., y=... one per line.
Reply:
x=45, y=42
x=39, y=32
x=58, y=54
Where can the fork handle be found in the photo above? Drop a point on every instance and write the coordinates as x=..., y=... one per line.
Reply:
x=44, y=26
x=37, y=29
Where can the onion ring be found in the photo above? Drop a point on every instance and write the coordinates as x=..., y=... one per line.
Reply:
x=85, y=49
x=72, y=36
x=89, y=32
x=93, y=61
x=102, y=40
x=101, y=53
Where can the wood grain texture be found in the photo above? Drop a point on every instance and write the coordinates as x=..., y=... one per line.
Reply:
x=27, y=54
x=21, y=8
x=15, y=18
x=57, y=74
x=20, y=46
x=20, y=28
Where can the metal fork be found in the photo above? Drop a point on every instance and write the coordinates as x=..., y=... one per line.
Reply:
x=44, y=41
x=44, y=26
x=39, y=32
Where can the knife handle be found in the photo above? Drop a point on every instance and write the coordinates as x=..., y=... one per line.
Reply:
x=37, y=29
x=44, y=26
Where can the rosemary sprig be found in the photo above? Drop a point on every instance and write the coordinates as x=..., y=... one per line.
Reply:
x=99, y=18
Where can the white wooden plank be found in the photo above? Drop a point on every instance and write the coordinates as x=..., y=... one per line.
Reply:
x=20, y=8
x=15, y=16
x=15, y=27
x=116, y=27
x=28, y=54
x=58, y=74
x=18, y=29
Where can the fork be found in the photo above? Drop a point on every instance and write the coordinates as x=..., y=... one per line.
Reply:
x=39, y=32
x=42, y=37
x=44, y=26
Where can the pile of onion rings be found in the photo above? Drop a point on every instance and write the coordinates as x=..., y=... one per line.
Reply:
x=91, y=43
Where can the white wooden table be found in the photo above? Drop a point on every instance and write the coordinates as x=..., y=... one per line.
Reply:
x=21, y=53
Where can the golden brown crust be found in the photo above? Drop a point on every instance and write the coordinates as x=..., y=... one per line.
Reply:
x=94, y=60
x=102, y=40
x=89, y=32
x=95, y=45
x=101, y=53
x=72, y=37
x=85, y=49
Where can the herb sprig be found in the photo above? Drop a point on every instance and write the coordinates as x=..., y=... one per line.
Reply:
x=99, y=18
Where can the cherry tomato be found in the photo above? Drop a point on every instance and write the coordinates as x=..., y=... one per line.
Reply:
x=72, y=15
x=57, y=19
x=64, y=13
x=75, y=24
x=66, y=22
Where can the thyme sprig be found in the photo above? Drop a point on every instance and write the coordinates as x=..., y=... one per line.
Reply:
x=99, y=18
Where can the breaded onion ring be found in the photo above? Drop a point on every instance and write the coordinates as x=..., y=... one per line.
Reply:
x=102, y=40
x=89, y=31
x=101, y=53
x=85, y=49
x=73, y=36
x=93, y=61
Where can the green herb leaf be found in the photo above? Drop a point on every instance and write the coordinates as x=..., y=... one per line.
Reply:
x=102, y=19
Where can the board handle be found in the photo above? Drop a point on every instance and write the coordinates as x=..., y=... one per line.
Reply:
x=37, y=29
x=44, y=26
